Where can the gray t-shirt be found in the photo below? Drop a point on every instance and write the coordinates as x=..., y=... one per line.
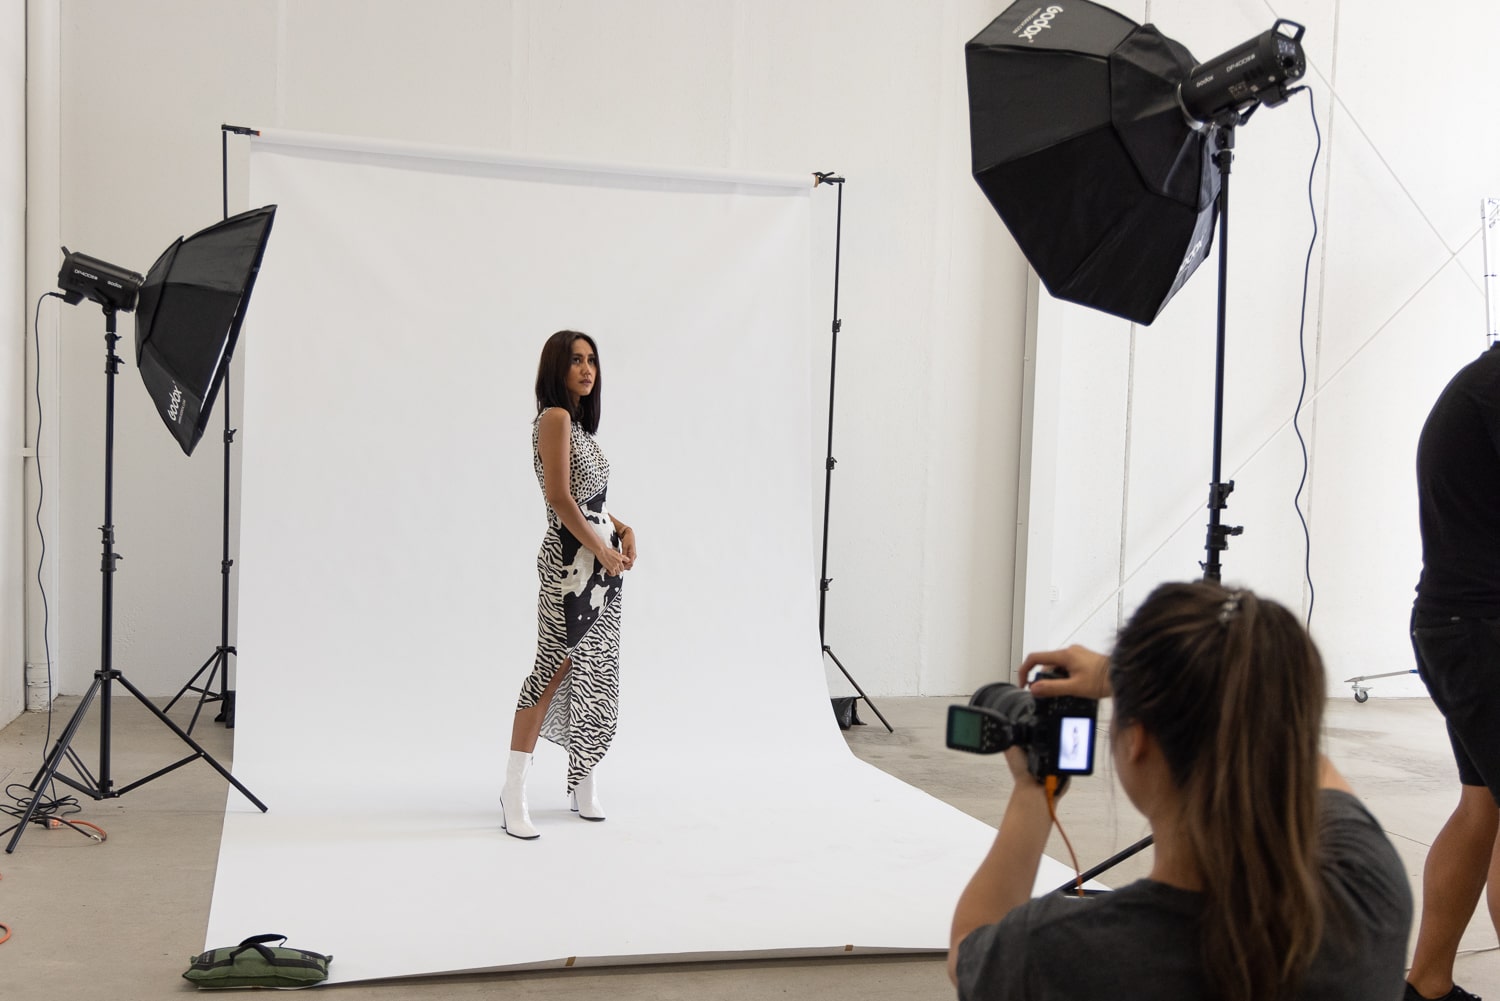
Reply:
x=1140, y=943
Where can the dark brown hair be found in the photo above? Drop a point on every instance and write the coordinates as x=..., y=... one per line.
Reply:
x=1232, y=689
x=552, y=379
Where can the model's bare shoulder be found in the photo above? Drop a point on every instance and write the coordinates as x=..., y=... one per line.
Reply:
x=555, y=419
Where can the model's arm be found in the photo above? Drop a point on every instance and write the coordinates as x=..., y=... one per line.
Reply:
x=552, y=443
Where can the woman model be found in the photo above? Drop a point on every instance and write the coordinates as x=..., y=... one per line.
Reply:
x=1270, y=880
x=571, y=695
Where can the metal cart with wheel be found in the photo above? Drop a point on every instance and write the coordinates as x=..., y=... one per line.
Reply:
x=1362, y=691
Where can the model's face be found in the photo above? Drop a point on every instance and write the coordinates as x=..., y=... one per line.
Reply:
x=583, y=369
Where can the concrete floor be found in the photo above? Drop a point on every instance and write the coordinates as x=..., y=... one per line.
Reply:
x=119, y=920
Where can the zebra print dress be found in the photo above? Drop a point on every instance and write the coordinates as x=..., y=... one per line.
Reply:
x=577, y=616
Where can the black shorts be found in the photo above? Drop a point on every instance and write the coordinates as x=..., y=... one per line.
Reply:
x=1459, y=660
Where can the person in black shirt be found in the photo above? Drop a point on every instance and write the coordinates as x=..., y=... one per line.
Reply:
x=1269, y=879
x=1455, y=632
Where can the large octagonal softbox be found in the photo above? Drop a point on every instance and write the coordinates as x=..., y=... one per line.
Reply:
x=1080, y=144
x=188, y=318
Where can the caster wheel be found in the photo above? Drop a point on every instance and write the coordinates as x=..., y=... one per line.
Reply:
x=1361, y=696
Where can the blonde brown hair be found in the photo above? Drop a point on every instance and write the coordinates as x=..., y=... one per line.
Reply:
x=1232, y=689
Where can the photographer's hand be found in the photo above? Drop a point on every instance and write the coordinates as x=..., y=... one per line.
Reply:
x=1087, y=673
x=1020, y=773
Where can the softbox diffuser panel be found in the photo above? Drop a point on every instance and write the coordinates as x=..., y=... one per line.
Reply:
x=189, y=314
x=1082, y=240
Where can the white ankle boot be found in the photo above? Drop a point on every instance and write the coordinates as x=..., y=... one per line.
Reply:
x=586, y=799
x=515, y=819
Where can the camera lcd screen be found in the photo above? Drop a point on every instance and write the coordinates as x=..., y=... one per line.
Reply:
x=1075, y=745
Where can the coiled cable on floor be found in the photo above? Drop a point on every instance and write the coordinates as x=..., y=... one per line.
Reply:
x=50, y=813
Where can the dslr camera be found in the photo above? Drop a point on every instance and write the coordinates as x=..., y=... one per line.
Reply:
x=1057, y=733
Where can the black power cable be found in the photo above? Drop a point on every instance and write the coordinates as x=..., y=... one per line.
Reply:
x=1302, y=352
x=41, y=493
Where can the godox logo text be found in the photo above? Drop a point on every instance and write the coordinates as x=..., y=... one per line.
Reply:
x=1038, y=22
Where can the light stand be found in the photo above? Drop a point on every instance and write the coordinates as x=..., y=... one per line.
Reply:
x=1106, y=149
x=102, y=786
x=1218, y=492
x=828, y=177
x=1218, y=534
x=217, y=664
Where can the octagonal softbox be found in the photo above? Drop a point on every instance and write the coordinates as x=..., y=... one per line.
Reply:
x=1080, y=144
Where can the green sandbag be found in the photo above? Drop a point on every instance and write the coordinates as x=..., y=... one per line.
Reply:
x=252, y=963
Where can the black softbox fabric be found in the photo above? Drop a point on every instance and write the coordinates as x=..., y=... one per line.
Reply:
x=1080, y=145
x=188, y=318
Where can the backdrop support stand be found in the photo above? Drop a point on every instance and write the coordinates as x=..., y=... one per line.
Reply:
x=828, y=177
x=217, y=664
x=102, y=786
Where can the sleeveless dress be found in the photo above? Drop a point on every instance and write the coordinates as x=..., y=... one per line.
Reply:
x=577, y=616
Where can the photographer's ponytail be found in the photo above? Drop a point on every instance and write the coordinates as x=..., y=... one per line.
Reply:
x=1232, y=689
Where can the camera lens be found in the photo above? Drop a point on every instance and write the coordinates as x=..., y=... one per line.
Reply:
x=1014, y=703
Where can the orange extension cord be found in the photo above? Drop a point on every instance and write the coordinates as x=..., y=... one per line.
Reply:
x=55, y=823
x=1052, y=810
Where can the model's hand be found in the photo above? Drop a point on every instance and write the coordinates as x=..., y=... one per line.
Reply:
x=627, y=546
x=1087, y=673
x=612, y=561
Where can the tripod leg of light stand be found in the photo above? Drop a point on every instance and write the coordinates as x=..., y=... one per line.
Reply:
x=54, y=760
x=198, y=748
x=1108, y=863
x=829, y=650
x=103, y=787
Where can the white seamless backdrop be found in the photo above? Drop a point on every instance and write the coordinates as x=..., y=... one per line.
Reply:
x=387, y=603
x=391, y=518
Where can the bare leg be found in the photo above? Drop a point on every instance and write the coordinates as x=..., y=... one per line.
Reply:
x=1457, y=866
x=1492, y=885
x=528, y=724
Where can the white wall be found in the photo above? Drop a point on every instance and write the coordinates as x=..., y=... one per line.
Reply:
x=932, y=299
x=12, y=354
x=931, y=296
x=1396, y=307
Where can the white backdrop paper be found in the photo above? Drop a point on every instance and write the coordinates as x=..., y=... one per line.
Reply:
x=387, y=600
x=388, y=457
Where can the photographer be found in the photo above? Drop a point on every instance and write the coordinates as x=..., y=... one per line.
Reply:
x=1269, y=879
